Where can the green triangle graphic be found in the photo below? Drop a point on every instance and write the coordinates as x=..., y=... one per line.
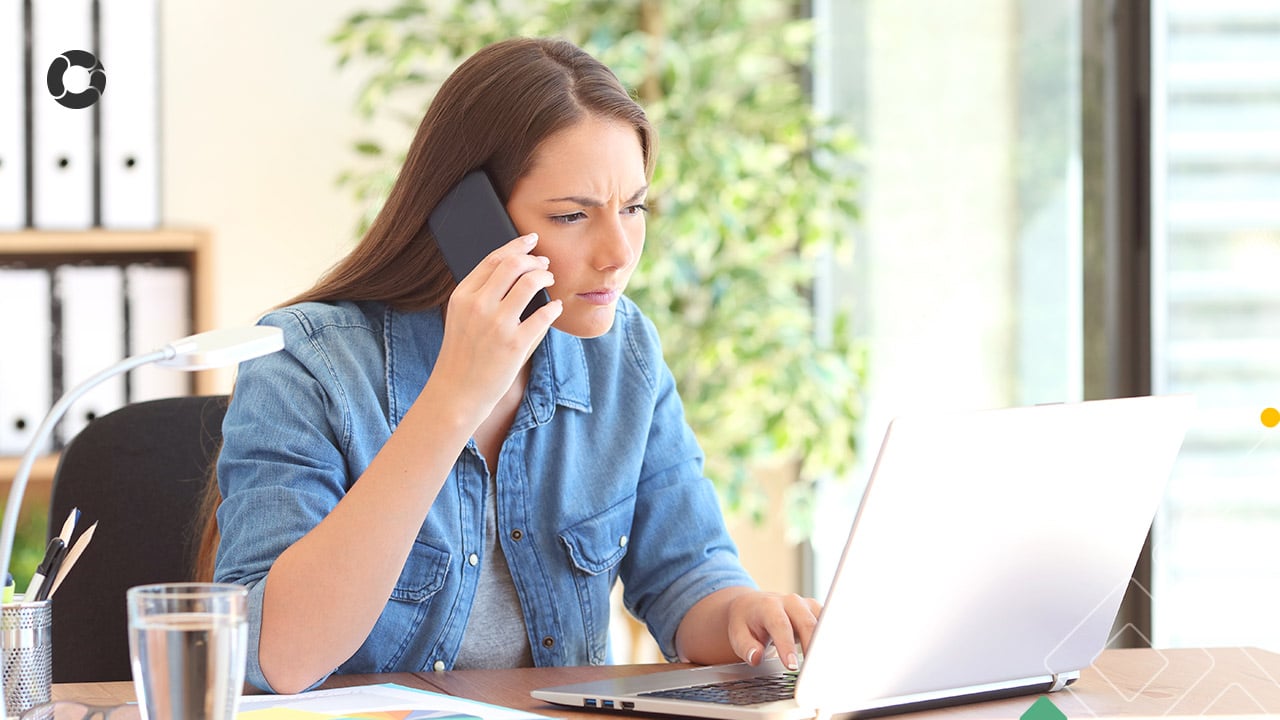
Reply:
x=1043, y=709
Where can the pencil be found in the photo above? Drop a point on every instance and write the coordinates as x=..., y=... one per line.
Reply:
x=69, y=526
x=72, y=555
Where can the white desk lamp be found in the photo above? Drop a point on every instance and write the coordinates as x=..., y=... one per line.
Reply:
x=216, y=348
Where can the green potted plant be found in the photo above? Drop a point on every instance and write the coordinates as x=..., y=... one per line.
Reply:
x=750, y=200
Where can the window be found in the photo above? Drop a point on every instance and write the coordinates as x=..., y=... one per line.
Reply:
x=1216, y=316
x=967, y=277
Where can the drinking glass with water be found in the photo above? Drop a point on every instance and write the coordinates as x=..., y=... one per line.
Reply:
x=187, y=649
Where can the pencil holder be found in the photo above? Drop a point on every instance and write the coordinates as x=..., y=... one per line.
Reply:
x=26, y=647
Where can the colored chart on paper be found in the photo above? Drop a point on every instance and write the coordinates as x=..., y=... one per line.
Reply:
x=386, y=701
x=285, y=713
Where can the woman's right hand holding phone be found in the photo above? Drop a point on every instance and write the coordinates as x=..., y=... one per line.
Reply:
x=485, y=343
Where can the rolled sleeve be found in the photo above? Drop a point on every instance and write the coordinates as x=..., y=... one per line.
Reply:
x=258, y=539
x=688, y=554
x=253, y=669
x=684, y=550
x=280, y=471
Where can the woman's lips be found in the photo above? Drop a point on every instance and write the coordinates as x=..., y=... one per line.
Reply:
x=599, y=297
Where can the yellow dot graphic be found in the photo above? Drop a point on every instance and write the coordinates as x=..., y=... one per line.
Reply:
x=1271, y=417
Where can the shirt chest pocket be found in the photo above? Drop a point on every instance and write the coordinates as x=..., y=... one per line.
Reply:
x=594, y=548
x=423, y=575
x=396, y=635
x=598, y=543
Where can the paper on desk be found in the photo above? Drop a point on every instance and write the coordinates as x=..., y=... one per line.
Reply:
x=387, y=701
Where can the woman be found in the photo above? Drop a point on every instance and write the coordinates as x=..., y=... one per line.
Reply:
x=422, y=480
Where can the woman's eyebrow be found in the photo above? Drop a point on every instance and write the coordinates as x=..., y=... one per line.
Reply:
x=592, y=202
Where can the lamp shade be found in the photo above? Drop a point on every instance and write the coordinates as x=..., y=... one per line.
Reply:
x=220, y=348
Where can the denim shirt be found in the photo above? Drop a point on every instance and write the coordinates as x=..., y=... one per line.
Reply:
x=599, y=479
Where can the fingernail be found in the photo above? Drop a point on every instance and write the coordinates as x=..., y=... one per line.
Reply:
x=793, y=663
x=752, y=654
x=531, y=238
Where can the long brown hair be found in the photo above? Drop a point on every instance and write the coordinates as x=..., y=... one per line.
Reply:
x=492, y=113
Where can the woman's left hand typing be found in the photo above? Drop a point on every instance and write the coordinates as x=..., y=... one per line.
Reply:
x=742, y=624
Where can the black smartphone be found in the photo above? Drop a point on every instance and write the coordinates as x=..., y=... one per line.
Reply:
x=469, y=223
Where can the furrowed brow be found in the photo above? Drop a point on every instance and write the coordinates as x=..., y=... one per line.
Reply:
x=593, y=202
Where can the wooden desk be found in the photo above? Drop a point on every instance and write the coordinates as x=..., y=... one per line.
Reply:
x=1122, y=683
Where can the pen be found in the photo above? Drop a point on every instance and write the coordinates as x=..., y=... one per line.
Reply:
x=52, y=555
x=73, y=555
x=51, y=572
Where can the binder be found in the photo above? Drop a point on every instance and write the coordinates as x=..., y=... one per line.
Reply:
x=26, y=363
x=159, y=311
x=129, y=139
x=91, y=336
x=13, y=113
x=62, y=148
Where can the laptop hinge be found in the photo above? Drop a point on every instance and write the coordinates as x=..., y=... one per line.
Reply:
x=1060, y=681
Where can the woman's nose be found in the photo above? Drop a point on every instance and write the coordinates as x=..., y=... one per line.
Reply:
x=613, y=247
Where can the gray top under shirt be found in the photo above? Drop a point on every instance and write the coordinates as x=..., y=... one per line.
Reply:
x=495, y=636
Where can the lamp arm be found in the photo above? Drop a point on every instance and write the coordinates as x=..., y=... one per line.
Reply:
x=19, y=483
x=215, y=348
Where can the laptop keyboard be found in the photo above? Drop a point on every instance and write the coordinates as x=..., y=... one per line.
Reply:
x=747, y=691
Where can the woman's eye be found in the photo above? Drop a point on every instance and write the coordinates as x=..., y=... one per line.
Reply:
x=637, y=209
x=570, y=218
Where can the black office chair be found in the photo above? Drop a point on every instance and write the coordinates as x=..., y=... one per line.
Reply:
x=140, y=472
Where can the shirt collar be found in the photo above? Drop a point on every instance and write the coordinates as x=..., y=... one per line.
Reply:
x=558, y=375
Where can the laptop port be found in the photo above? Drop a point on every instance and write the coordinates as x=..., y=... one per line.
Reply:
x=589, y=702
x=628, y=705
x=608, y=704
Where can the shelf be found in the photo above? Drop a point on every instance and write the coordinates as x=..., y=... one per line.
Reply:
x=42, y=248
x=46, y=247
x=41, y=476
x=100, y=241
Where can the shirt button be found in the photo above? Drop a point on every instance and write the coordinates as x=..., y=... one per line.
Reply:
x=516, y=534
x=622, y=541
x=548, y=642
x=474, y=559
x=439, y=666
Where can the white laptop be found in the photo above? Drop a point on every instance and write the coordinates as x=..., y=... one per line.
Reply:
x=988, y=559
